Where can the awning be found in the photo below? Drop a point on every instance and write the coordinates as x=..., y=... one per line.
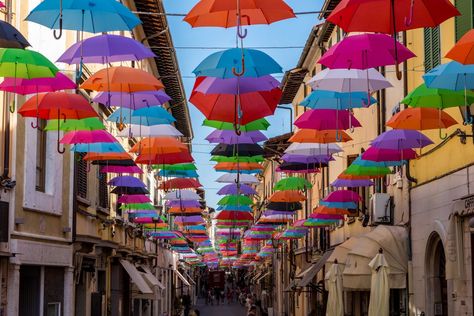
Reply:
x=182, y=278
x=136, y=277
x=256, y=276
x=151, y=278
x=189, y=278
x=311, y=272
x=262, y=276
x=394, y=242
x=291, y=287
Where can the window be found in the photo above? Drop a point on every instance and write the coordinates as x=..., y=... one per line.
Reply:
x=54, y=309
x=103, y=191
x=81, y=176
x=432, y=48
x=41, y=156
x=464, y=22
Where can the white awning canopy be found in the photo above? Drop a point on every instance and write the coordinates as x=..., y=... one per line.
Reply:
x=182, y=278
x=262, y=276
x=136, y=277
x=311, y=272
x=151, y=278
x=189, y=278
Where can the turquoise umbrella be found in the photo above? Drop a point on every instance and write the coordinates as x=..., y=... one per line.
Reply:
x=332, y=100
x=154, y=115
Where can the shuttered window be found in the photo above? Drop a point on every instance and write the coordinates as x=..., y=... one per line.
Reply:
x=103, y=191
x=81, y=176
x=432, y=48
x=464, y=22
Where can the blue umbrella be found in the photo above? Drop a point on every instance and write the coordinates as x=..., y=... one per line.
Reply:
x=323, y=99
x=95, y=16
x=98, y=148
x=226, y=64
x=241, y=171
x=154, y=115
x=346, y=205
x=178, y=173
x=452, y=76
x=379, y=164
x=239, y=208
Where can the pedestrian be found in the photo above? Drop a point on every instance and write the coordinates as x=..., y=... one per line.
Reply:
x=248, y=302
x=252, y=311
x=229, y=295
x=186, y=304
x=217, y=293
x=264, y=303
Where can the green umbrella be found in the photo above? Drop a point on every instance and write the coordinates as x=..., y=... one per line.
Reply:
x=261, y=124
x=137, y=206
x=373, y=171
x=235, y=200
x=26, y=64
x=293, y=183
x=424, y=97
x=237, y=159
x=176, y=167
x=89, y=124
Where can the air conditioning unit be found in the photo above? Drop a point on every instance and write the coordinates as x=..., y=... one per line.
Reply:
x=380, y=208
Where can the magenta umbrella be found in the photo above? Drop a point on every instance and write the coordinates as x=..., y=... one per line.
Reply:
x=121, y=169
x=365, y=51
x=343, y=196
x=229, y=137
x=37, y=85
x=400, y=139
x=213, y=85
x=380, y=154
x=327, y=120
x=88, y=137
x=128, y=199
x=326, y=216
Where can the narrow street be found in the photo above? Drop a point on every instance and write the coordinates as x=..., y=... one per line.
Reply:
x=234, y=309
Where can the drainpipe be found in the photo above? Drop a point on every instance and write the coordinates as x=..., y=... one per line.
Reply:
x=291, y=115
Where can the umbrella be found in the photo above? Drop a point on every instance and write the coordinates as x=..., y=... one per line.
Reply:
x=187, y=203
x=158, y=145
x=237, y=150
x=373, y=171
x=133, y=199
x=98, y=148
x=178, y=174
x=343, y=196
x=177, y=167
x=37, y=85
x=230, y=138
x=293, y=183
x=287, y=196
x=258, y=158
x=10, y=37
x=349, y=80
x=226, y=14
x=463, y=52
x=127, y=181
x=179, y=157
x=313, y=149
x=122, y=79
x=88, y=137
x=307, y=159
x=180, y=183
x=424, y=97
x=365, y=51
x=303, y=167
x=335, y=303
x=224, y=63
x=323, y=99
x=327, y=120
x=154, y=115
x=322, y=137
x=421, y=119
x=26, y=64
x=260, y=124
x=379, y=304
x=129, y=190
x=232, y=178
x=150, y=131
x=243, y=166
x=235, y=189
x=380, y=154
x=343, y=183
x=401, y=139
x=182, y=195
x=213, y=85
x=232, y=215
x=95, y=16
x=91, y=124
x=240, y=200
x=104, y=49
x=135, y=100
x=107, y=156
x=121, y=169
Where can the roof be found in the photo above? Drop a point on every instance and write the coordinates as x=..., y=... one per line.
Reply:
x=155, y=27
x=275, y=146
x=328, y=7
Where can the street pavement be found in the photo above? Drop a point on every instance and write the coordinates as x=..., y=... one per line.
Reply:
x=225, y=309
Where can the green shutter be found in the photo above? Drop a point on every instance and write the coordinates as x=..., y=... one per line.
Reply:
x=464, y=21
x=432, y=40
x=428, y=59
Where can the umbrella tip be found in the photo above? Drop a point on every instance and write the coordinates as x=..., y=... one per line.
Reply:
x=335, y=261
x=380, y=250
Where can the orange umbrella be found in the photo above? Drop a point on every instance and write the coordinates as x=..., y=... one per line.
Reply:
x=224, y=13
x=107, y=156
x=122, y=79
x=159, y=145
x=287, y=196
x=463, y=51
x=331, y=211
x=155, y=226
x=421, y=119
x=355, y=177
x=322, y=137
x=240, y=166
x=184, y=210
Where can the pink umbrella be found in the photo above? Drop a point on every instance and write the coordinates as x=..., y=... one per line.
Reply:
x=365, y=51
x=379, y=154
x=2, y=5
x=88, y=137
x=37, y=85
x=127, y=198
x=327, y=120
x=343, y=196
x=326, y=216
x=121, y=169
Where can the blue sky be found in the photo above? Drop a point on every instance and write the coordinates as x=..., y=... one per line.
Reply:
x=292, y=32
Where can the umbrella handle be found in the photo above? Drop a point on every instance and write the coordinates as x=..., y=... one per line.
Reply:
x=242, y=72
x=443, y=137
x=242, y=33
x=398, y=72
x=338, y=136
x=88, y=169
x=409, y=19
x=60, y=34
x=35, y=125
x=12, y=107
x=469, y=119
x=61, y=151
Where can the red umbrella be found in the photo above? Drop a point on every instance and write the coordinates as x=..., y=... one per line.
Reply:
x=175, y=158
x=180, y=183
x=223, y=107
x=234, y=216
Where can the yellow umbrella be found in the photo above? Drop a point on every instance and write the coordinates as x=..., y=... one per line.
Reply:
x=379, y=286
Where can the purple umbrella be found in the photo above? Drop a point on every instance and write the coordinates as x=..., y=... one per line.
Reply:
x=231, y=189
x=212, y=85
x=400, y=139
x=379, y=154
x=346, y=183
x=37, y=85
x=306, y=159
x=121, y=169
x=188, y=219
x=327, y=120
x=127, y=181
x=230, y=138
x=272, y=212
x=187, y=203
x=135, y=100
x=104, y=49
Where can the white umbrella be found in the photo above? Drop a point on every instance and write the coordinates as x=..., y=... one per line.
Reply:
x=349, y=80
x=150, y=131
x=379, y=286
x=313, y=149
x=335, y=305
x=232, y=178
x=184, y=195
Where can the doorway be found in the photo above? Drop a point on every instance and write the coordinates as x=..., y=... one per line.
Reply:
x=437, y=287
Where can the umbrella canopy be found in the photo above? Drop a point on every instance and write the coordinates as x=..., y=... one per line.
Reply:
x=92, y=156
x=232, y=189
x=323, y=99
x=37, y=85
x=313, y=149
x=164, y=130
x=187, y=203
x=177, y=167
x=380, y=154
x=26, y=64
x=178, y=174
x=451, y=76
x=223, y=13
x=335, y=304
x=104, y=49
x=421, y=119
x=180, y=183
x=130, y=190
x=179, y=157
x=327, y=120
x=235, y=200
x=221, y=64
x=127, y=199
x=343, y=196
x=237, y=150
x=358, y=170
x=10, y=37
x=230, y=138
x=260, y=124
x=182, y=195
x=401, y=139
x=213, y=85
x=258, y=158
x=232, y=178
x=121, y=169
x=424, y=97
x=349, y=80
x=158, y=145
x=238, y=166
x=88, y=137
x=316, y=136
x=98, y=147
x=463, y=51
x=135, y=100
x=122, y=79
x=287, y=196
x=365, y=51
x=343, y=183
x=379, y=304
x=91, y=124
x=353, y=15
x=307, y=159
x=154, y=115
x=232, y=216
x=303, y=167
x=94, y=16
x=126, y=181
x=293, y=183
